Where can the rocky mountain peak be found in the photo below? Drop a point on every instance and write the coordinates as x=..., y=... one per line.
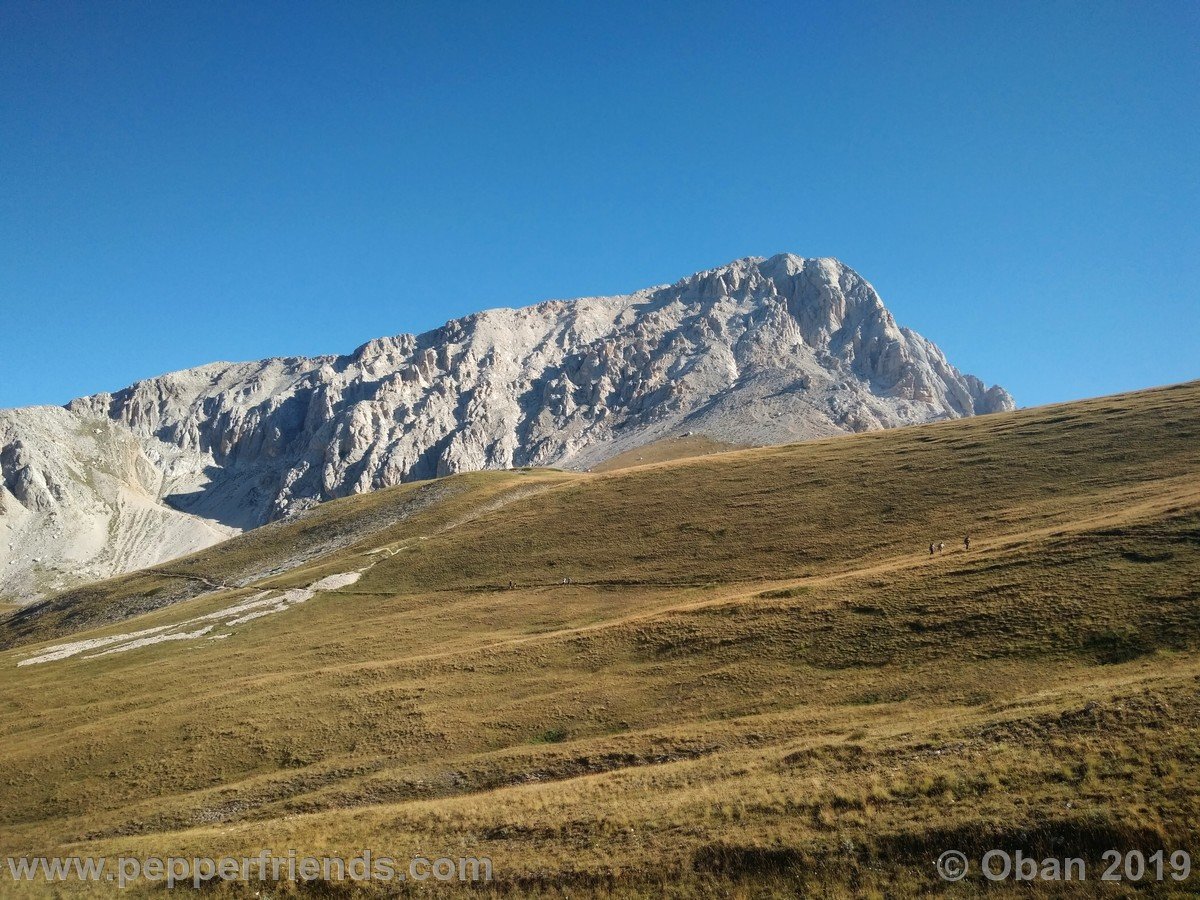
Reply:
x=761, y=350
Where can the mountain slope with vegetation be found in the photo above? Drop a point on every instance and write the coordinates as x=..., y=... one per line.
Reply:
x=741, y=672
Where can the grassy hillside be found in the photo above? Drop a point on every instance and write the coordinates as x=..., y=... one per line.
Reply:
x=420, y=508
x=757, y=681
x=666, y=450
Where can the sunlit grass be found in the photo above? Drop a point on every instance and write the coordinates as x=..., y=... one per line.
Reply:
x=757, y=683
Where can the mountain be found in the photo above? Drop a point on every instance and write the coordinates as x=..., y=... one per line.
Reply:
x=760, y=351
x=758, y=681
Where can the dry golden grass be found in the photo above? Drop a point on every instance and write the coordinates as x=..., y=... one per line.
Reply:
x=758, y=683
x=666, y=450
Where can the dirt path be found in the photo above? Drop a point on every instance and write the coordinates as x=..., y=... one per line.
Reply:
x=163, y=573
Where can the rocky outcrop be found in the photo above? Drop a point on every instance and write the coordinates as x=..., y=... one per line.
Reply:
x=759, y=351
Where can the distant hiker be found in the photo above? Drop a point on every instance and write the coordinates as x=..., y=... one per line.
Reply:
x=941, y=546
x=966, y=542
x=510, y=585
x=931, y=549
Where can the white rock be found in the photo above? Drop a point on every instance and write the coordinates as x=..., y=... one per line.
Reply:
x=759, y=351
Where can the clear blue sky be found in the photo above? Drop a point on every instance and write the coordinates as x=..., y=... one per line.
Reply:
x=182, y=182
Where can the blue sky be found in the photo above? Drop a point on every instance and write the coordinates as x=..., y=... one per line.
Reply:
x=186, y=182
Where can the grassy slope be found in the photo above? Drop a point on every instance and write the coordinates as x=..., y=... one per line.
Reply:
x=666, y=450
x=757, y=679
x=387, y=516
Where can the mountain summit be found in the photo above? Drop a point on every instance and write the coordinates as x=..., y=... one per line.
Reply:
x=759, y=351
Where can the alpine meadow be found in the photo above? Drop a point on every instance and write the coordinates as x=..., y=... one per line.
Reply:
x=756, y=680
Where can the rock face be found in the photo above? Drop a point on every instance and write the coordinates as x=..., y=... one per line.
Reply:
x=759, y=351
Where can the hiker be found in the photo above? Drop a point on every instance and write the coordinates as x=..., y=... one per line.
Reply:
x=941, y=546
x=510, y=585
x=966, y=542
x=931, y=549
